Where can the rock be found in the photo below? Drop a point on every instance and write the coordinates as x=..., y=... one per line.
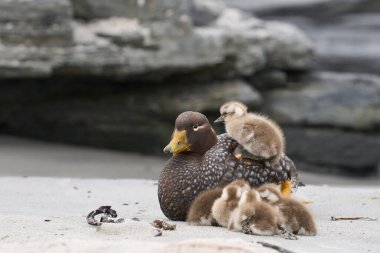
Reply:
x=204, y=12
x=143, y=10
x=122, y=32
x=112, y=115
x=284, y=46
x=345, y=33
x=328, y=99
x=269, y=79
x=351, y=152
x=132, y=49
x=318, y=9
x=99, y=9
x=208, y=97
x=287, y=48
x=36, y=22
x=235, y=20
x=350, y=44
x=117, y=73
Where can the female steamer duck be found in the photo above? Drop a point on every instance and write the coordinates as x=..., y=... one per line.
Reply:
x=201, y=160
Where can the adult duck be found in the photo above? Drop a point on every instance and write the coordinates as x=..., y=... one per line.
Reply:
x=202, y=160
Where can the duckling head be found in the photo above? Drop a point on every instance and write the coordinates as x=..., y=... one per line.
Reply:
x=250, y=196
x=270, y=193
x=192, y=133
x=231, y=110
x=231, y=193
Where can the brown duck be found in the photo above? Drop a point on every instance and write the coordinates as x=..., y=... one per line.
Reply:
x=202, y=160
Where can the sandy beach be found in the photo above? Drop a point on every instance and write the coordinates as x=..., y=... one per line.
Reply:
x=46, y=191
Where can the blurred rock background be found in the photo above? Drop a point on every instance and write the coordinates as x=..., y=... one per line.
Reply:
x=116, y=73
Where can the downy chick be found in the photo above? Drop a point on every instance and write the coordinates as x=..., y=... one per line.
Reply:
x=224, y=206
x=257, y=134
x=254, y=216
x=200, y=210
x=296, y=217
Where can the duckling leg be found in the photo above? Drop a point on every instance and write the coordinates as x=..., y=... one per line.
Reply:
x=286, y=188
x=284, y=233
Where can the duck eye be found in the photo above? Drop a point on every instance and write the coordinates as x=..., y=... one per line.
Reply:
x=195, y=128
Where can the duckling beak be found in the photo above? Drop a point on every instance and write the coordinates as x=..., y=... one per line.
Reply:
x=178, y=144
x=220, y=119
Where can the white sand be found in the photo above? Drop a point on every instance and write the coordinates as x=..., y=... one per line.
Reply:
x=27, y=202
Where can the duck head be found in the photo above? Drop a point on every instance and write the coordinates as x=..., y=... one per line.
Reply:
x=231, y=110
x=192, y=133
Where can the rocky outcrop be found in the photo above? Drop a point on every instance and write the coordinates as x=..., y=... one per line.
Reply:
x=332, y=119
x=328, y=99
x=129, y=116
x=145, y=41
x=44, y=23
x=334, y=150
x=345, y=33
x=116, y=73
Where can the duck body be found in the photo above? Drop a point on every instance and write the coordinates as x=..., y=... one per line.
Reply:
x=201, y=161
x=186, y=175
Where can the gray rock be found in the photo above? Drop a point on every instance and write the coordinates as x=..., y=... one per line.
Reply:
x=143, y=10
x=269, y=79
x=318, y=9
x=111, y=115
x=131, y=49
x=349, y=151
x=328, y=99
x=345, y=33
x=132, y=38
x=36, y=22
x=350, y=44
x=204, y=12
x=283, y=46
x=287, y=48
x=208, y=97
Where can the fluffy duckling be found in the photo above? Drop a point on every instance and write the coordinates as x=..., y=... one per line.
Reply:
x=225, y=205
x=254, y=216
x=260, y=136
x=296, y=217
x=200, y=209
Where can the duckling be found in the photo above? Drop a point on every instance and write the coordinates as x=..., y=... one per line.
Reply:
x=254, y=216
x=225, y=205
x=200, y=209
x=202, y=160
x=257, y=134
x=296, y=217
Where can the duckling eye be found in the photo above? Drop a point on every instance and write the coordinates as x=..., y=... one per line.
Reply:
x=195, y=128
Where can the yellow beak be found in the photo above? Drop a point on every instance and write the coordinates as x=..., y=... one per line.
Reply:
x=178, y=144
